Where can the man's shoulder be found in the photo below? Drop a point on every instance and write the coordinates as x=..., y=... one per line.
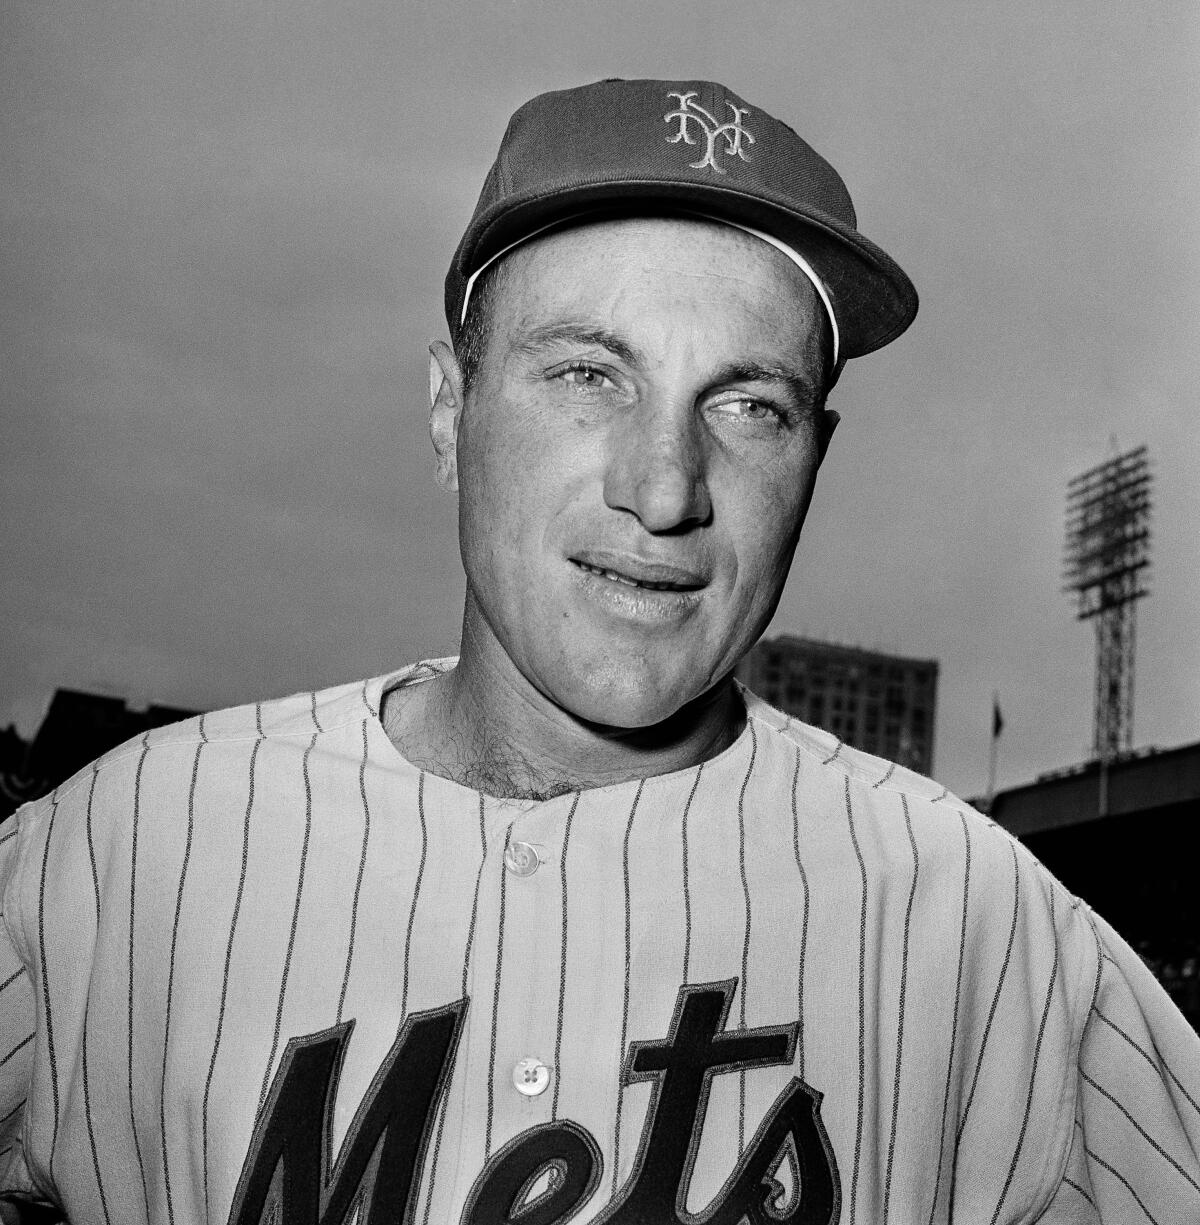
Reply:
x=912, y=838
x=889, y=802
x=162, y=760
x=826, y=753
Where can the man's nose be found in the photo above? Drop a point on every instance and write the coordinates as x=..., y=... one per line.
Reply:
x=658, y=470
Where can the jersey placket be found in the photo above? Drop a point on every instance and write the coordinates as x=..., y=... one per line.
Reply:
x=523, y=979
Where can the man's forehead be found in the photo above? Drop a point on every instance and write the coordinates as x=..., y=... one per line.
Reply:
x=652, y=249
x=579, y=300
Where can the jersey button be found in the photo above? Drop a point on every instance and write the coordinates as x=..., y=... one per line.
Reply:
x=531, y=1077
x=521, y=859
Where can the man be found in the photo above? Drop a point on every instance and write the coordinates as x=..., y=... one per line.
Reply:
x=572, y=928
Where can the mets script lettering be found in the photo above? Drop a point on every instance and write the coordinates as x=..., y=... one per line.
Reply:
x=690, y=112
x=290, y=1178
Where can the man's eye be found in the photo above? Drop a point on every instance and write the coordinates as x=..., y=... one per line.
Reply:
x=750, y=409
x=583, y=376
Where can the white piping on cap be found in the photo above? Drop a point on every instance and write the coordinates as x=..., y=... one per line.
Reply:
x=512, y=246
x=796, y=259
x=791, y=253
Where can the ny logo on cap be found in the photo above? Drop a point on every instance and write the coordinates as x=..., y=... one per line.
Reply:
x=732, y=130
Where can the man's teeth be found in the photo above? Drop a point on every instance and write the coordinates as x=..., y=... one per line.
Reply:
x=629, y=582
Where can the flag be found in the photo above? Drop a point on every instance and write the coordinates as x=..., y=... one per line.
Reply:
x=997, y=719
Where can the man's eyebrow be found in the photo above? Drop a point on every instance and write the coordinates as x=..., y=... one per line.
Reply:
x=801, y=384
x=581, y=334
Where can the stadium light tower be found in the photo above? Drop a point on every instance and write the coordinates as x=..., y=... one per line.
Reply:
x=1107, y=553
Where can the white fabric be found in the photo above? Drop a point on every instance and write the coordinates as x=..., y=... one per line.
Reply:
x=985, y=1047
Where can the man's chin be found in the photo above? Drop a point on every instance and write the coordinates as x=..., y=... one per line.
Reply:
x=636, y=705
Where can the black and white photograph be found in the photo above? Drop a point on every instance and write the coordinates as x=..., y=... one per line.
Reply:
x=599, y=613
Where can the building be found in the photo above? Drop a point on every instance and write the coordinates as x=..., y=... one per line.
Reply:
x=78, y=727
x=882, y=704
x=1120, y=837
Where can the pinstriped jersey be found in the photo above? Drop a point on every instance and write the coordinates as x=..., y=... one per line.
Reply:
x=257, y=966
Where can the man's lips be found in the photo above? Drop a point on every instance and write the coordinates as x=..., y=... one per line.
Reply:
x=641, y=572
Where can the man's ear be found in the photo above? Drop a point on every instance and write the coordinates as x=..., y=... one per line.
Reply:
x=445, y=410
x=829, y=422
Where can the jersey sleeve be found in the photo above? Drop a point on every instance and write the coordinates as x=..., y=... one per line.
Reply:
x=1135, y=1153
x=17, y=1009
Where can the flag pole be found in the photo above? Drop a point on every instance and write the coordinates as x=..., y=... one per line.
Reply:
x=994, y=750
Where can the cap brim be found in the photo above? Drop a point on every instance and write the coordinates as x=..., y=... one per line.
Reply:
x=872, y=296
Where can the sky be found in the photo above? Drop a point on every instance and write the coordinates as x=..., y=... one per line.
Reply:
x=223, y=233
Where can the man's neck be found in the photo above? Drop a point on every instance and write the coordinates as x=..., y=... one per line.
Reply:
x=506, y=739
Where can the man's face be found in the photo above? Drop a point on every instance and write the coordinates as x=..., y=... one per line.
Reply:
x=634, y=461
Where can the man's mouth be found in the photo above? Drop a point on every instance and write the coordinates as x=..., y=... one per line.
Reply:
x=629, y=582
x=648, y=576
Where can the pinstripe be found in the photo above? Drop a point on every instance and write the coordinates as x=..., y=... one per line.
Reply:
x=1075, y=903
x=1037, y=1051
x=862, y=1002
x=91, y=841
x=20, y=1046
x=362, y=865
x=364, y=694
x=291, y=944
x=412, y=910
x=445, y=1102
x=1054, y=1198
x=428, y=1177
x=1166, y=1067
x=12, y=978
x=87, y=1094
x=1077, y=1187
x=987, y=1029
x=912, y=893
x=137, y=808
x=12, y=833
x=562, y=964
x=834, y=755
x=46, y=974
x=803, y=918
x=237, y=907
x=491, y=1095
x=746, y=935
x=1123, y=1180
x=162, y=1089
x=1114, y=1026
x=1150, y=1140
x=1159, y=1067
x=475, y=900
x=687, y=884
x=625, y=1003
x=8, y=1148
x=87, y=1109
x=887, y=774
x=962, y=952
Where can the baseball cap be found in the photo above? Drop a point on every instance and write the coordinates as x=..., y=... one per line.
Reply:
x=619, y=147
